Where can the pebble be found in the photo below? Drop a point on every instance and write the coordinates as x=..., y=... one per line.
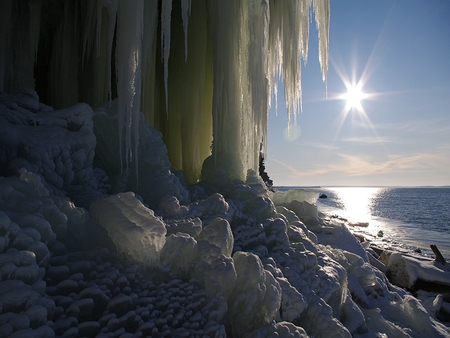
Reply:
x=75, y=297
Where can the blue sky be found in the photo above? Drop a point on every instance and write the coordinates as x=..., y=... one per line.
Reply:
x=401, y=137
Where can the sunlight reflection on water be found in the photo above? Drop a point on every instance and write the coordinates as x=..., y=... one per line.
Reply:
x=359, y=206
x=356, y=202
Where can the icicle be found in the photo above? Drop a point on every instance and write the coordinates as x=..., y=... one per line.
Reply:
x=6, y=24
x=166, y=10
x=113, y=7
x=186, y=10
x=128, y=51
x=35, y=26
x=322, y=15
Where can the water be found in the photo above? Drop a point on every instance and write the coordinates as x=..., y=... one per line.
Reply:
x=401, y=218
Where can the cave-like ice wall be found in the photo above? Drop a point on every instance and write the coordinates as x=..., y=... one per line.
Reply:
x=203, y=72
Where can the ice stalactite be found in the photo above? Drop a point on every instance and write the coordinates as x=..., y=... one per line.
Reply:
x=166, y=11
x=186, y=9
x=128, y=67
x=322, y=10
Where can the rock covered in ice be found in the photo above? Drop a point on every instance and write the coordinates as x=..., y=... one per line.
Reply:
x=58, y=145
x=135, y=230
x=151, y=177
x=256, y=297
x=191, y=226
x=405, y=270
x=218, y=233
x=169, y=205
x=180, y=253
x=282, y=329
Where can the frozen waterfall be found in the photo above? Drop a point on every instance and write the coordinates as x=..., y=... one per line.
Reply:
x=202, y=72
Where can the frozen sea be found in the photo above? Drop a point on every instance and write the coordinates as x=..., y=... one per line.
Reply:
x=399, y=217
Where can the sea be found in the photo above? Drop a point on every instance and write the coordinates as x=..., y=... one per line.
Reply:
x=397, y=218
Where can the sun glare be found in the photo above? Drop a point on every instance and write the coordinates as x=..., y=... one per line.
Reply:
x=354, y=96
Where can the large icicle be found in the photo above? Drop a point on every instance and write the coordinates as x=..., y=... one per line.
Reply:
x=186, y=10
x=166, y=10
x=128, y=65
x=322, y=14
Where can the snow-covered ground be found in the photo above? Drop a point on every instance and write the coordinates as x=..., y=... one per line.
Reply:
x=83, y=252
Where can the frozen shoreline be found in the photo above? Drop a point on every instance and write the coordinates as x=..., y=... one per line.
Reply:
x=231, y=260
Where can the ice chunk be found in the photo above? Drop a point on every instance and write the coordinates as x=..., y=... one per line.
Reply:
x=282, y=198
x=137, y=233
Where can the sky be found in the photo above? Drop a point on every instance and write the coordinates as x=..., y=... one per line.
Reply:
x=399, y=135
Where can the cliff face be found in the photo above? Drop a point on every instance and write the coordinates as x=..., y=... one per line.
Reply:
x=202, y=72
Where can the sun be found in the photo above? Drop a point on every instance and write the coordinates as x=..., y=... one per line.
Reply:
x=354, y=96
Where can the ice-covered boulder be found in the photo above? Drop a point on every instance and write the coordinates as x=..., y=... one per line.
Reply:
x=256, y=298
x=405, y=270
x=218, y=233
x=149, y=174
x=180, y=253
x=135, y=230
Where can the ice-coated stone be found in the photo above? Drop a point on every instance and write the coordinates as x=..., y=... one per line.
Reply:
x=137, y=233
x=37, y=315
x=192, y=227
x=169, y=205
x=211, y=206
x=282, y=329
x=180, y=253
x=260, y=208
x=88, y=329
x=19, y=299
x=20, y=322
x=256, y=297
x=120, y=304
x=6, y=330
x=218, y=276
x=352, y=317
x=63, y=324
x=292, y=302
x=81, y=309
x=218, y=233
